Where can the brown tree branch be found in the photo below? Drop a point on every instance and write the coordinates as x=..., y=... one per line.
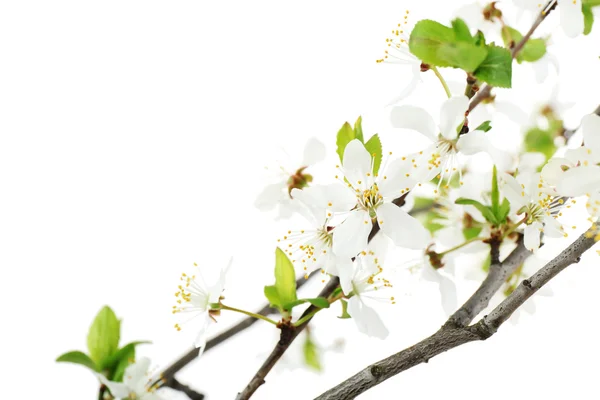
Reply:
x=449, y=337
x=486, y=91
x=289, y=334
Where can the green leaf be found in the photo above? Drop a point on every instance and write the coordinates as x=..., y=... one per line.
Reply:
x=588, y=18
x=540, y=140
x=111, y=362
x=285, y=278
x=503, y=211
x=375, y=149
x=533, y=50
x=358, y=132
x=344, y=136
x=461, y=31
x=496, y=69
x=103, y=336
x=311, y=354
x=485, y=126
x=422, y=203
x=345, y=314
x=591, y=3
x=484, y=210
x=78, y=357
x=471, y=233
x=487, y=263
x=429, y=221
x=436, y=44
x=273, y=296
x=127, y=358
x=479, y=39
x=320, y=302
x=495, y=193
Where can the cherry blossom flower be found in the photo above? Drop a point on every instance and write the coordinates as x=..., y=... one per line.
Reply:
x=361, y=280
x=441, y=157
x=195, y=296
x=372, y=197
x=397, y=52
x=135, y=385
x=529, y=195
x=279, y=194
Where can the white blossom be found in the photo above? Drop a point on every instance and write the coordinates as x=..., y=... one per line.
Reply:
x=136, y=383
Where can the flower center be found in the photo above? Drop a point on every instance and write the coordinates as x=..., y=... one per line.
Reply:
x=299, y=180
x=370, y=199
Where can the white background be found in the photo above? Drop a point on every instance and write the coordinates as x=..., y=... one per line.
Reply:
x=133, y=140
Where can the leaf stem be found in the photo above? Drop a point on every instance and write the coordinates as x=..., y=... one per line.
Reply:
x=514, y=227
x=248, y=313
x=442, y=81
x=475, y=239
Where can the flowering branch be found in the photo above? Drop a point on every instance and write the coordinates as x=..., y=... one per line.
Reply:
x=486, y=91
x=449, y=337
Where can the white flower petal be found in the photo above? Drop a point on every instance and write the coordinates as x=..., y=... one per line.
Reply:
x=514, y=192
x=416, y=118
x=552, y=227
x=553, y=171
x=404, y=230
x=532, y=236
x=452, y=114
x=448, y=295
x=117, y=389
x=339, y=196
x=397, y=178
x=366, y=319
x=593, y=205
x=350, y=237
x=512, y=111
x=346, y=272
x=205, y=321
x=579, y=181
x=135, y=375
x=270, y=196
x=314, y=152
x=590, y=127
x=412, y=85
x=357, y=162
x=571, y=17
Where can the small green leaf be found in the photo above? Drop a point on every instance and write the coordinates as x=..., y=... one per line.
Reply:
x=421, y=203
x=588, y=18
x=103, y=336
x=540, y=140
x=78, y=357
x=111, y=361
x=273, y=296
x=533, y=50
x=429, y=221
x=496, y=69
x=344, y=136
x=503, y=211
x=436, y=44
x=285, y=278
x=374, y=148
x=358, y=132
x=461, y=31
x=484, y=210
x=485, y=126
x=471, y=233
x=591, y=3
x=320, y=302
x=479, y=39
x=345, y=314
x=311, y=354
x=127, y=358
x=495, y=193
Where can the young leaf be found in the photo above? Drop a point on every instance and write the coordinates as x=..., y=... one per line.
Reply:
x=461, y=31
x=103, y=336
x=495, y=193
x=285, y=278
x=591, y=3
x=485, y=126
x=471, y=233
x=436, y=44
x=484, y=210
x=358, y=132
x=344, y=136
x=127, y=358
x=111, y=362
x=374, y=148
x=311, y=354
x=345, y=314
x=273, y=296
x=533, y=50
x=588, y=18
x=539, y=140
x=496, y=69
x=78, y=357
x=503, y=211
x=320, y=302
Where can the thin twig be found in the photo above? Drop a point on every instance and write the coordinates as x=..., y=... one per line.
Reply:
x=449, y=337
x=189, y=392
x=288, y=335
x=486, y=91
